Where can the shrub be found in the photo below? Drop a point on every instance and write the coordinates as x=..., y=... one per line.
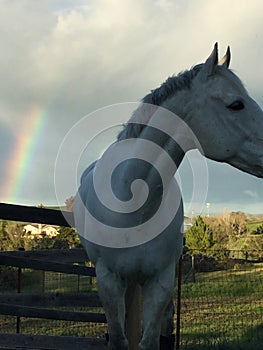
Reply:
x=8, y=278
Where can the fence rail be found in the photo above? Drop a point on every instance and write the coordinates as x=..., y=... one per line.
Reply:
x=58, y=255
x=10, y=259
x=23, y=213
x=35, y=305
x=25, y=341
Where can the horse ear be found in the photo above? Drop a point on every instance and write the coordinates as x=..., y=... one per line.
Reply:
x=211, y=63
x=225, y=61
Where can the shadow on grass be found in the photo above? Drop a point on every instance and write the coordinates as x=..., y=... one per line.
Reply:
x=252, y=340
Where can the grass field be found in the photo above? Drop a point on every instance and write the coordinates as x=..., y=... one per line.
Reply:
x=253, y=225
x=224, y=310
x=220, y=310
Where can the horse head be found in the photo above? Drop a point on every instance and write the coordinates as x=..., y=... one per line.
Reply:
x=226, y=120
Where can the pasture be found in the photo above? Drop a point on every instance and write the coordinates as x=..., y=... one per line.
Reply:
x=224, y=309
x=220, y=309
x=221, y=306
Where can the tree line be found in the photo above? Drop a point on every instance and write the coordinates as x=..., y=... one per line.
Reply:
x=215, y=233
x=221, y=234
x=13, y=236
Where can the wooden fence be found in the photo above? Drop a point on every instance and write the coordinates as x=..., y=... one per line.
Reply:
x=38, y=305
x=42, y=305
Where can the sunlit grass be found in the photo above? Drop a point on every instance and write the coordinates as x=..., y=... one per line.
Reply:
x=221, y=310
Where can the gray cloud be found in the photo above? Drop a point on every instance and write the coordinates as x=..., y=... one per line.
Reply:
x=72, y=57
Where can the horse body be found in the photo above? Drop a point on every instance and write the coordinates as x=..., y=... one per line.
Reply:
x=116, y=268
x=208, y=102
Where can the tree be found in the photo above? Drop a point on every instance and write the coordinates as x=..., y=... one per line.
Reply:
x=258, y=230
x=4, y=238
x=42, y=242
x=13, y=236
x=67, y=238
x=70, y=203
x=199, y=238
x=220, y=228
x=238, y=223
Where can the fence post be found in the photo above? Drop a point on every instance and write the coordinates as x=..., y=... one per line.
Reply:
x=78, y=283
x=43, y=274
x=19, y=288
x=178, y=311
x=193, y=267
x=133, y=301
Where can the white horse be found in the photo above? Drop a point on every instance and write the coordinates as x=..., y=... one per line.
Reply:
x=207, y=108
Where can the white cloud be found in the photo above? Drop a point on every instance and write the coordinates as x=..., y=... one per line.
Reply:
x=71, y=57
x=130, y=45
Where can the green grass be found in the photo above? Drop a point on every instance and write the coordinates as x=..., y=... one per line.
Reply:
x=252, y=339
x=236, y=282
x=220, y=310
x=36, y=282
x=253, y=225
x=223, y=309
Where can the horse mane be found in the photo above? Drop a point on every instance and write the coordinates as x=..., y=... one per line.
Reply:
x=155, y=98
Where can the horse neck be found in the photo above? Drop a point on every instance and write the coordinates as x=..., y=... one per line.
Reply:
x=173, y=119
x=167, y=129
x=168, y=149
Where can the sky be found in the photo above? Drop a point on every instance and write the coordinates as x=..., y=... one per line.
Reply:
x=62, y=60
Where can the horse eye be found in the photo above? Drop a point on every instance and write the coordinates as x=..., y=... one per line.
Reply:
x=236, y=106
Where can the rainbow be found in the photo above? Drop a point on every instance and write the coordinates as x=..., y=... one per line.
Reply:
x=18, y=166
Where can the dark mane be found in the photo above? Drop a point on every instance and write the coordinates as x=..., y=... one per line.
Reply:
x=174, y=83
x=159, y=95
